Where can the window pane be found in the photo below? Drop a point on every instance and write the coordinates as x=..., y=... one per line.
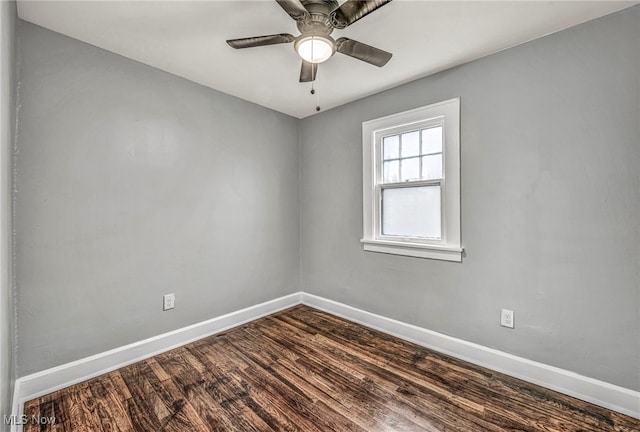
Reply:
x=391, y=147
x=432, y=167
x=391, y=172
x=410, y=144
x=410, y=169
x=412, y=212
x=432, y=140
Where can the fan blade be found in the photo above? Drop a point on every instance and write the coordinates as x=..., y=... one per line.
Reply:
x=294, y=8
x=364, y=52
x=308, y=71
x=257, y=41
x=352, y=10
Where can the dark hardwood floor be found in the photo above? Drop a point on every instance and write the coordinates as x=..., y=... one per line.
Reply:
x=305, y=370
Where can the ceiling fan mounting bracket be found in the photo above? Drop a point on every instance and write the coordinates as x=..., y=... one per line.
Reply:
x=320, y=6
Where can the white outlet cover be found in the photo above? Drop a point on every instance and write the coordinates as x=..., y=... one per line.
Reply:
x=168, y=301
x=507, y=318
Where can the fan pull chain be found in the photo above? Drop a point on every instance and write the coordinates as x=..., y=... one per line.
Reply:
x=314, y=92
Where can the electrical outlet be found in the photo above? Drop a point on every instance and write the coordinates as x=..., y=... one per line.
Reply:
x=168, y=301
x=507, y=318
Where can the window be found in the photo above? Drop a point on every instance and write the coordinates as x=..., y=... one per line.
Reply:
x=411, y=170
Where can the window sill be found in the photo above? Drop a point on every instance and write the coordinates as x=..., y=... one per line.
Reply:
x=413, y=250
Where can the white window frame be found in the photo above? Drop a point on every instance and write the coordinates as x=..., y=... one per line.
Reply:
x=449, y=246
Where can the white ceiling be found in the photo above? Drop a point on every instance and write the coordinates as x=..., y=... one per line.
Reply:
x=187, y=38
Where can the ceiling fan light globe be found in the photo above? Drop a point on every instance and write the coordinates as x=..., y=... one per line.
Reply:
x=315, y=49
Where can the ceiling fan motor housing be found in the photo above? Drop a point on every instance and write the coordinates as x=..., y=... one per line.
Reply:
x=318, y=21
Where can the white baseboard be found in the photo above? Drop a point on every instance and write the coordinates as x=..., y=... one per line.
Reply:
x=591, y=390
x=59, y=377
x=601, y=393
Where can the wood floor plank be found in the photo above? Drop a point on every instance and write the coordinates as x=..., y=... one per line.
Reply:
x=111, y=410
x=144, y=408
x=211, y=389
x=75, y=410
x=49, y=414
x=304, y=370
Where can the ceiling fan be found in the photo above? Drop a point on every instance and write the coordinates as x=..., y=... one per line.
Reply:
x=316, y=20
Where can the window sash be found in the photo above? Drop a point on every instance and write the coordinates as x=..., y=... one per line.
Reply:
x=379, y=235
x=418, y=126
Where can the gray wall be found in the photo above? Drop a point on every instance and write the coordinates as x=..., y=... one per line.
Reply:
x=7, y=125
x=133, y=183
x=550, y=204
